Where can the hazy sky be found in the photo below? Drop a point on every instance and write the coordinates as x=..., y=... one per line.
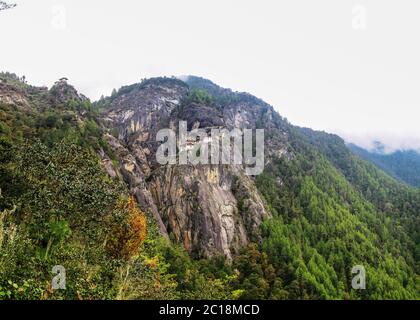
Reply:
x=349, y=67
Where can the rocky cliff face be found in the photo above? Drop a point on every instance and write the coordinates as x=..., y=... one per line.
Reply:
x=62, y=92
x=211, y=209
x=13, y=96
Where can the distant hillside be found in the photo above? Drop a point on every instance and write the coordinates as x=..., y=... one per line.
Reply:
x=402, y=165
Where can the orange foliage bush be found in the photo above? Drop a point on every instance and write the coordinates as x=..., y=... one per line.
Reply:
x=129, y=234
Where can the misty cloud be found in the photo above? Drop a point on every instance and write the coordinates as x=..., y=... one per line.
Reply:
x=303, y=57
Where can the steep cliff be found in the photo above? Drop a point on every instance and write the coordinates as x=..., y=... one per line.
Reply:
x=211, y=209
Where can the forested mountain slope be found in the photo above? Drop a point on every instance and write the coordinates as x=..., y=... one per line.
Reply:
x=403, y=165
x=80, y=187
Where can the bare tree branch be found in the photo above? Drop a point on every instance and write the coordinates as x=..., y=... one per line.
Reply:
x=5, y=6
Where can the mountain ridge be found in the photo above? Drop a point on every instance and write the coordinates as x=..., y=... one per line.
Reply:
x=403, y=165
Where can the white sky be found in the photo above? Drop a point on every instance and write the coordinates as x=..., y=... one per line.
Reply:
x=302, y=56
